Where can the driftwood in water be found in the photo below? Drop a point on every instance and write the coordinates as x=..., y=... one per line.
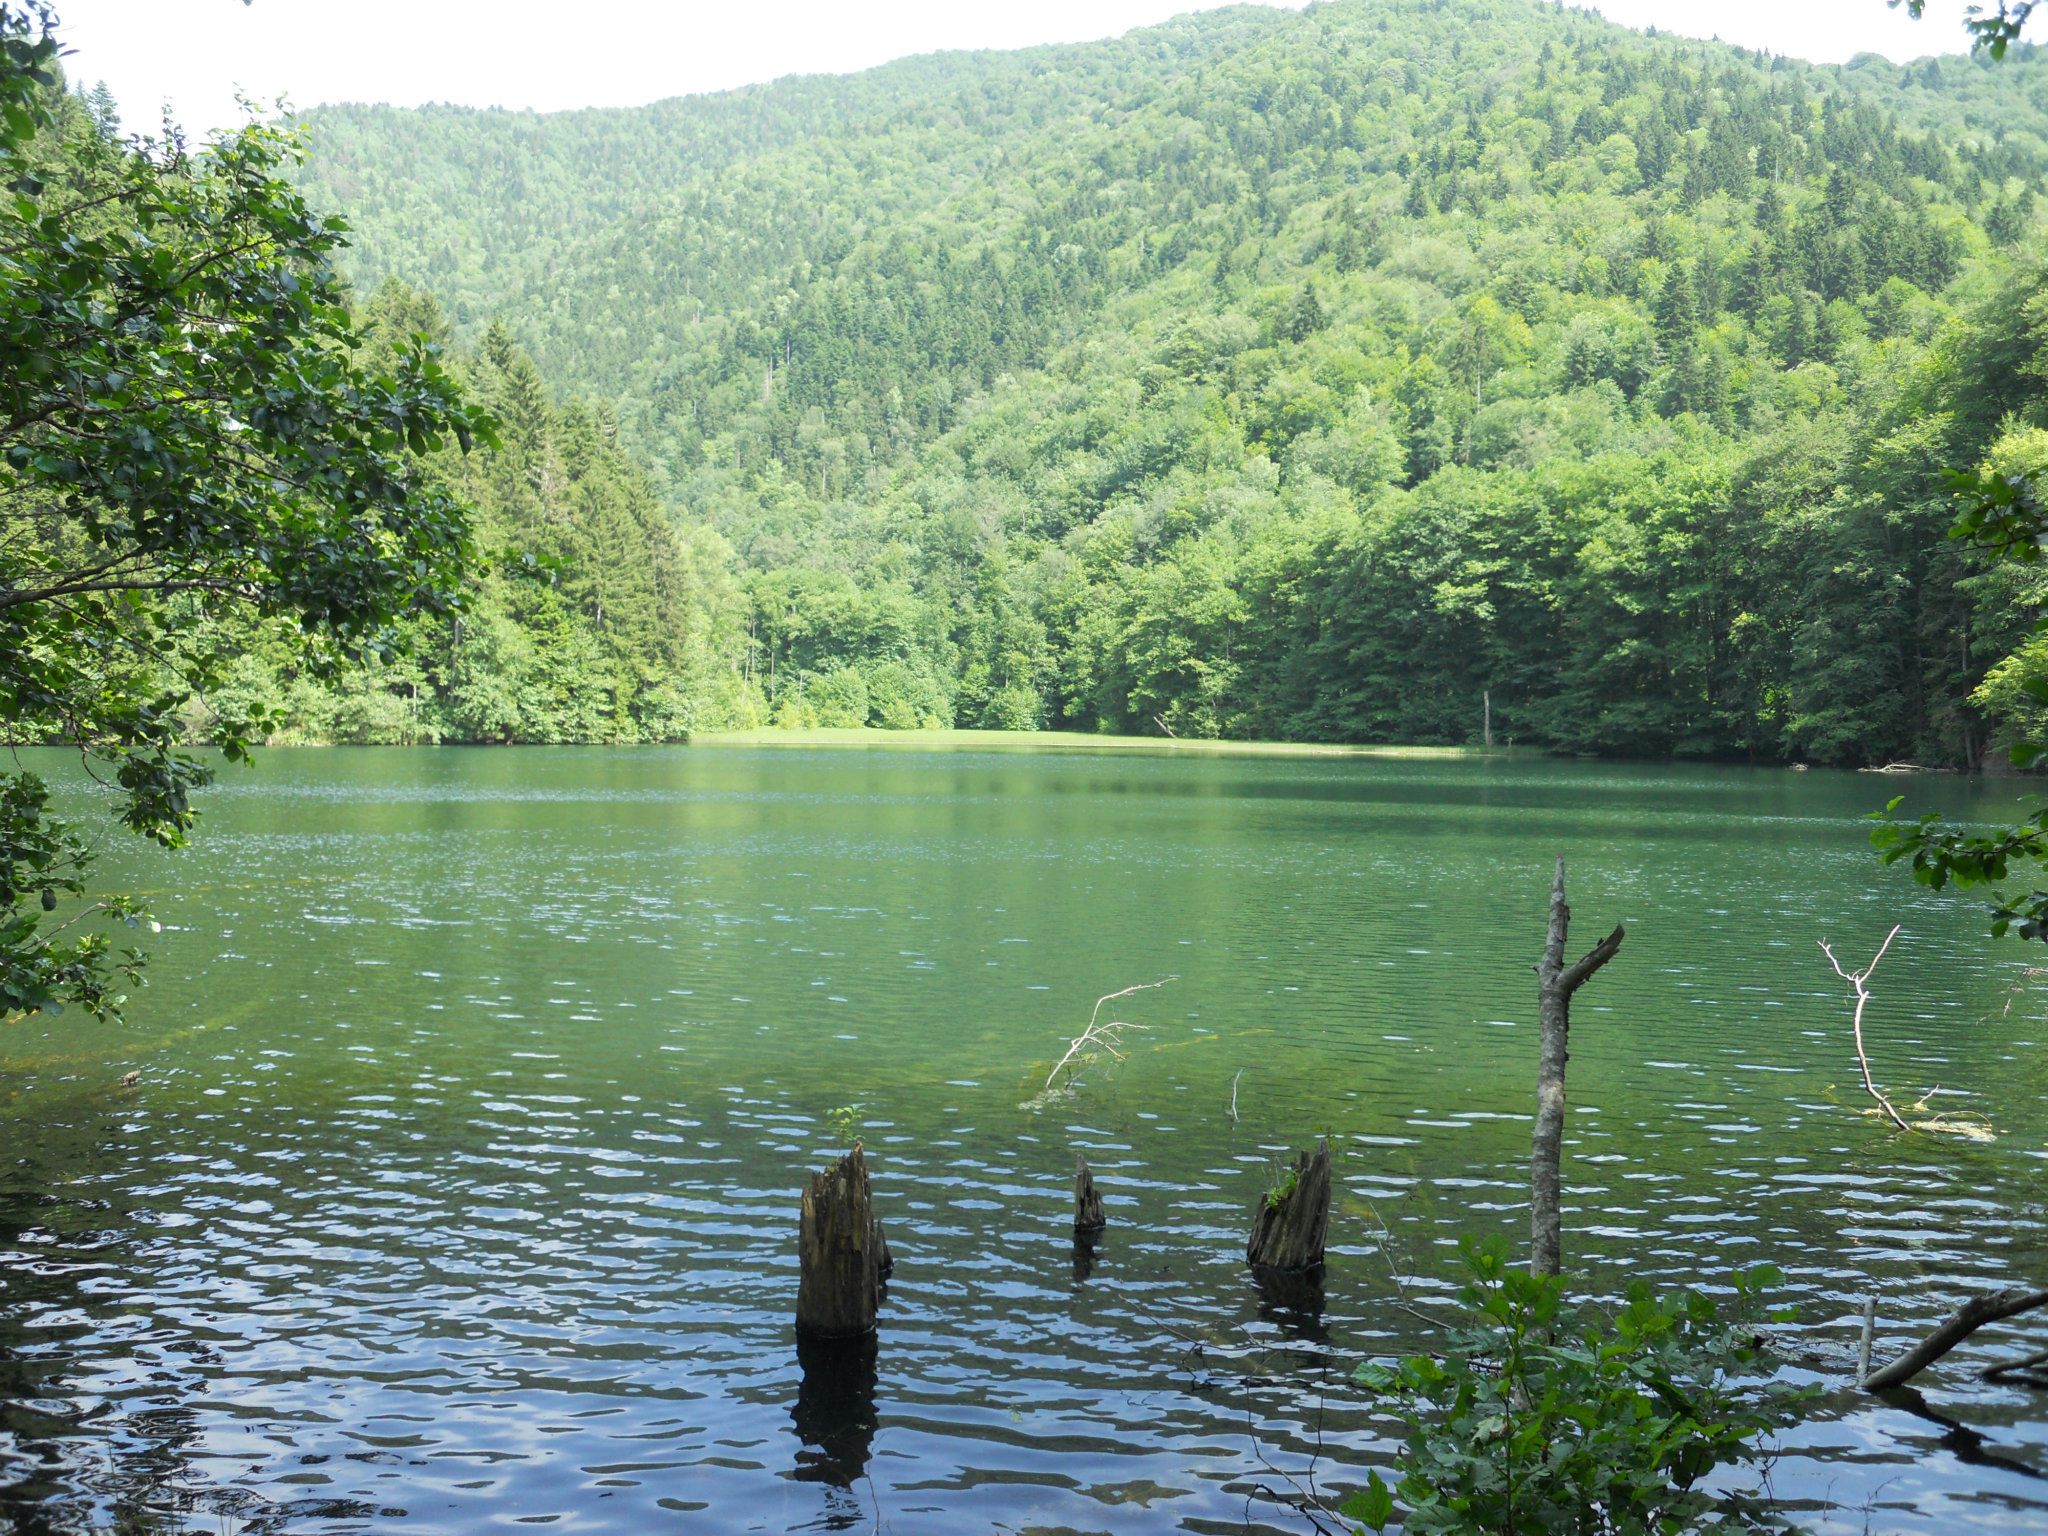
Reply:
x=1088, y=1215
x=1291, y=1222
x=1555, y=984
x=1991, y=1307
x=842, y=1254
x=2027, y=1370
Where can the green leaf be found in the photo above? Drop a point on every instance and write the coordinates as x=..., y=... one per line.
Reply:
x=1371, y=1506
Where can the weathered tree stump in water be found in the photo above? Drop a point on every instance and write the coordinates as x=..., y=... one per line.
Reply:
x=1291, y=1223
x=1088, y=1215
x=842, y=1254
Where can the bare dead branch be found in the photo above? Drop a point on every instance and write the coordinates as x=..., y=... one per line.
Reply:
x=1859, y=980
x=1593, y=959
x=1555, y=984
x=2032, y=1370
x=1991, y=1307
x=1101, y=1035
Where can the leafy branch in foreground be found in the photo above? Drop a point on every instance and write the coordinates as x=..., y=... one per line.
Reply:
x=1537, y=1418
x=1991, y=31
x=42, y=962
x=192, y=429
x=2006, y=514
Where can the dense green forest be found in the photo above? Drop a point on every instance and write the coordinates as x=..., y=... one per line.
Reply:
x=1337, y=374
x=597, y=614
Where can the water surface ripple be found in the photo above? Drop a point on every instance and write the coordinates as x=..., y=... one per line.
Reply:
x=459, y=1188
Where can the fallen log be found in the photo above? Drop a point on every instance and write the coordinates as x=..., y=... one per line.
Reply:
x=1292, y=1220
x=1992, y=1307
x=842, y=1255
x=2028, y=1370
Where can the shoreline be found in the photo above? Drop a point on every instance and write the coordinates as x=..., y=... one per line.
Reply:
x=1086, y=741
x=1089, y=741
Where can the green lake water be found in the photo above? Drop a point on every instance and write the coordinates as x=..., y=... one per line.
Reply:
x=459, y=1188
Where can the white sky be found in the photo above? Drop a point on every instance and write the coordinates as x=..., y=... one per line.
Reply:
x=196, y=54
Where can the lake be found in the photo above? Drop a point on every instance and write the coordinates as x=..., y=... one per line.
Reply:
x=459, y=1188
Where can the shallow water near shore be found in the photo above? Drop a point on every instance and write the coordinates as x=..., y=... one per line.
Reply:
x=459, y=1187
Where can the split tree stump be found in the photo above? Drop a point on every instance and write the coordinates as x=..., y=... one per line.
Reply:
x=842, y=1254
x=1088, y=1215
x=1288, y=1230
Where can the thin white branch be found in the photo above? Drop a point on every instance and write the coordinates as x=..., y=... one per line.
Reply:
x=1098, y=1034
x=1859, y=980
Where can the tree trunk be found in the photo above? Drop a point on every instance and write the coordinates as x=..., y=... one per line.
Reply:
x=1088, y=1215
x=1555, y=984
x=841, y=1252
x=1992, y=1307
x=1288, y=1230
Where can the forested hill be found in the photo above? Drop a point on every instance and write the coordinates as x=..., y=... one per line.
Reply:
x=1297, y=374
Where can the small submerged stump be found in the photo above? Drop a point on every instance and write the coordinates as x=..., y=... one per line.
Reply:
x=1290, y=1224
x=1088, y=1215
x=843, y=1256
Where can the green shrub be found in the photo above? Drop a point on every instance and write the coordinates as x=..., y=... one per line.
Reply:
x=1537, y=1419
x=1014, y=707
x=840, y=698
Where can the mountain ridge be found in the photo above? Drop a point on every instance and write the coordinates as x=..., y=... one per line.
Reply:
x=1120, y=313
